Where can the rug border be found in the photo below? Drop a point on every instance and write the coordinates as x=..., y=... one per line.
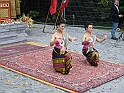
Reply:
x=42, y=81
x=45, y=82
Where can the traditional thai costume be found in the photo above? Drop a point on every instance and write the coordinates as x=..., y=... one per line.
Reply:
x=90, y=52
x=62, y=59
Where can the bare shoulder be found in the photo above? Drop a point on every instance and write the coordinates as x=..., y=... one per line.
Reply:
x=84, y=35
x=54, y=34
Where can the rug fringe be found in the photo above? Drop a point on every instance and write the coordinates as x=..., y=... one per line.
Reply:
x=65, y=89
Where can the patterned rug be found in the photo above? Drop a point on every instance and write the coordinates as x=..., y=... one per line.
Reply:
x=19, y=49
x=35, y=62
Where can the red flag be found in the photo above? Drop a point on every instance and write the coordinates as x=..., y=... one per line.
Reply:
x=53, y=7
x=64, y=5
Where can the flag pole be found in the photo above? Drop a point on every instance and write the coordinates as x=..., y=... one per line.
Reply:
x=58, y=14
x=46, y=21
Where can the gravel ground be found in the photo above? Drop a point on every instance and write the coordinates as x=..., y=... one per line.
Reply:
x=110, y=50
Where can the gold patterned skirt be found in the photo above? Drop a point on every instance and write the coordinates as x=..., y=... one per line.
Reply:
x=92, y=57
x=61, y=62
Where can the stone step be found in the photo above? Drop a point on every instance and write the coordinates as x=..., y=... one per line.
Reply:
x=13, y=33
x=8, y=36
x=12, y=41
x=6, y=33
x=3, y=30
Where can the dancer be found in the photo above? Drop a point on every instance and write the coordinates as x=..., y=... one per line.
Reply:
x=61, y=57
x=88, y=42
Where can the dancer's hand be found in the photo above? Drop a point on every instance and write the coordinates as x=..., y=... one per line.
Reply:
x=88, y=39
x=59, y=40
x=73, y=39
x=104, y=37
x=120, y=15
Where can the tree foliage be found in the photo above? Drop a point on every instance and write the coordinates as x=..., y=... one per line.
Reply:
x=105, y=6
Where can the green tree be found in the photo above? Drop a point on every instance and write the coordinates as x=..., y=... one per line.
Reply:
x=104, y=9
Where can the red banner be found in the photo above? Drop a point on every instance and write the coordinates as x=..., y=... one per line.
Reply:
x=53, y=7
x=64, y=5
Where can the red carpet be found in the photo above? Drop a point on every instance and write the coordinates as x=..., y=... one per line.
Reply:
x=36, y=62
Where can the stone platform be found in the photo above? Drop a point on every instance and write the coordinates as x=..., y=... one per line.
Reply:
x=12, y=33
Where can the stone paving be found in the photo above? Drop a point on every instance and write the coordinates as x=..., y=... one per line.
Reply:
x=110, y=50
